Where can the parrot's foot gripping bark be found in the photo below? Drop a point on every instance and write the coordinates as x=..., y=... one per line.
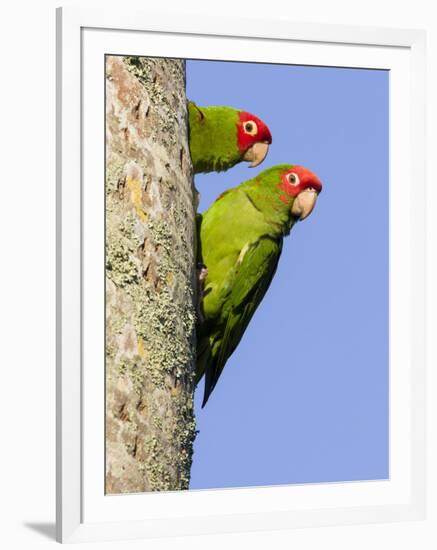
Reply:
x=202, y=272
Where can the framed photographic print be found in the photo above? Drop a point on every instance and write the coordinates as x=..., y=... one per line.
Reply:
x=240, y=275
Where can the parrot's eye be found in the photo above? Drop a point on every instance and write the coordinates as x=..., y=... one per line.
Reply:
x=250, y=127
x=293, y=178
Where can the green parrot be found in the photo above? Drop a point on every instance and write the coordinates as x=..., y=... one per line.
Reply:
x=221, y=137
x=240, y=242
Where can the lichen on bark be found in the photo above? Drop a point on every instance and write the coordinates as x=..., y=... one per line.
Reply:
x=150, y=276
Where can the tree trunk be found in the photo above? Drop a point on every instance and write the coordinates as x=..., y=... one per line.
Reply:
x=150, y=277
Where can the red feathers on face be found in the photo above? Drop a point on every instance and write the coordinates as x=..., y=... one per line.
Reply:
x=250, y=130
x=297, y=179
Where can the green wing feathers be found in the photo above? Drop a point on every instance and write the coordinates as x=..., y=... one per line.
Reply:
x=250, y=280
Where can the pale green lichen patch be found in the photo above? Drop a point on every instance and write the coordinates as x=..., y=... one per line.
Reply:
x=186, y=434
x=182, y=433
x=136, y=375
x=141, y=68
x=168, y=119
x=114, y=177
x=158, y=320
x=162, y=236
x=121, y=267
x=150, y=327
x=157, y=467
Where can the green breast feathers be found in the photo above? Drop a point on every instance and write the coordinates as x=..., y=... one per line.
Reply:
x=240, y=243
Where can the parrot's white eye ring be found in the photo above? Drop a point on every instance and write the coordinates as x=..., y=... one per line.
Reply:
x=250, y=127
x=293, y=178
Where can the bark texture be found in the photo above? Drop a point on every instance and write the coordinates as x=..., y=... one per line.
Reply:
x=150, y=275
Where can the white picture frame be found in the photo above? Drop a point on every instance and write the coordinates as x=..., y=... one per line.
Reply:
x=83, y=511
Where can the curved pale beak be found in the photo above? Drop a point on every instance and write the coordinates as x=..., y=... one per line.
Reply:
x=304, y=203
x=256, y=153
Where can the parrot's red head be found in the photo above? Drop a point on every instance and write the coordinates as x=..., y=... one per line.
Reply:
x=301, y=187
x=253, y=138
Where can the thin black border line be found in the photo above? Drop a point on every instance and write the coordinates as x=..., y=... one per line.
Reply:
x=105, y=56
x=82, y=278
x=203, y=59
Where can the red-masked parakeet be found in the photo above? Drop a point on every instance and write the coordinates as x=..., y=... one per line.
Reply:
x=221, y=137
x=240, y=242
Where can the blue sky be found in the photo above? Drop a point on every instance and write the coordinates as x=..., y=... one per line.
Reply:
x=304, y=398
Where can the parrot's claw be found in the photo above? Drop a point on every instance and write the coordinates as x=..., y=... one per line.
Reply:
x=202, y=272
